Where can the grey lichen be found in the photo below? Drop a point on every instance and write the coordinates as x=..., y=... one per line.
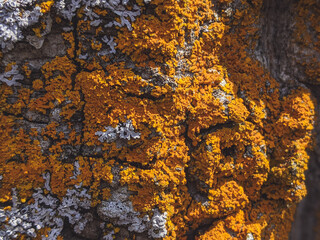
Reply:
x=10, y=78
x=46, y=211
x=67, y=9
x=76, y=171
x=111, y=46
x=121, y=131
x=119, y=210
x=46, y=176
x=158, y=225
x=109, y=236
x=36, y=41
x=16, y=221
x=16, y=15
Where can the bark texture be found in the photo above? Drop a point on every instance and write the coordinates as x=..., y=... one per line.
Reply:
x=159, y=119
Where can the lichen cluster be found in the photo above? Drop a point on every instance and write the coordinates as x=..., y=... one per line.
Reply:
x=158, y=118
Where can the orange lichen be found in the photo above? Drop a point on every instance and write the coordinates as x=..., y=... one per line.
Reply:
x=46, y=6
x=218, y=146
x=26, y=70
x=68, y=36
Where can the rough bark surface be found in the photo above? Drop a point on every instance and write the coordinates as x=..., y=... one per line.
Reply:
x=159, y=119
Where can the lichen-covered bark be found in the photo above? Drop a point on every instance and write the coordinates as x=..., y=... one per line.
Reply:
x=289, y=48
x=158, y=119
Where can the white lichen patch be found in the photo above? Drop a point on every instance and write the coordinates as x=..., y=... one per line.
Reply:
x=14, y=17
x=10, y=78
x=119, y=210
x=249, y=236
x=121, y=131
x=67, y=9
x=46, y=211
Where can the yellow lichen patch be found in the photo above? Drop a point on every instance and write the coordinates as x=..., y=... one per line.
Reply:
x=158, y=41
x=37, y=84
x=238, y=111
x=46, y=6
x=68, y=36
x=298, y=113
x=227, y=197
x=21, y=159
x=232, y=227
x=5, y=91
x=26, y=70
x=217, y=231
x=289, y=162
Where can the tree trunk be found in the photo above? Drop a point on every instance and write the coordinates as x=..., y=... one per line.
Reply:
x=159, y=119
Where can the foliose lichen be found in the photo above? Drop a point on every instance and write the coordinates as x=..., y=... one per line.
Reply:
x=46, y=211
x=200, y=138
x=121, y=131
x=10, y=78
x=14, y=17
